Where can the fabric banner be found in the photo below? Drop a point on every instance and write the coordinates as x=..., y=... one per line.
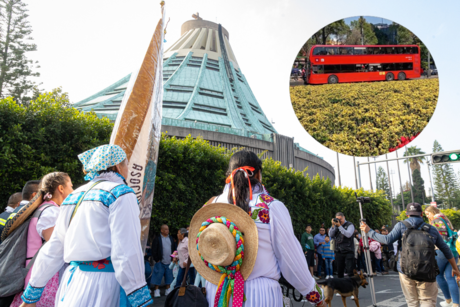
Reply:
x=138, y=126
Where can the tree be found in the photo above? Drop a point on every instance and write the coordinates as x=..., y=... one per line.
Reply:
x=419, y=187
x=336, y=28
x=15, y=42
x=414, y=162
x=367, y=34
x=445, y=182
x=382, y=182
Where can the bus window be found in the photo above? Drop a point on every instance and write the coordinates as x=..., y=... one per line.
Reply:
x=414, y=50
x=331, y=69
x=399, y=50
x=389, y=50
x=319, y=51
x=360, y=50
x=372, y=50
x=347, y=68
x=332, y=50
x=318, y=69
x=388, y=66
x=346, y=50
x=361, y=67
x=407, y=66
x=375, y=67
x=381, y=50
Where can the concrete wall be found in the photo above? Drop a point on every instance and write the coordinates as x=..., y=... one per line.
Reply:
x=275, y=149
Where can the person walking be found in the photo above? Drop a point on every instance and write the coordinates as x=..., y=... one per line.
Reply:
x=445, y=280
x=308, y=246
x=163, y=247
x=419, y=287
x=53, y=189
x=319, y=239
x=183, y=254
x=270, y=245
x=97, y=232
x=342, y=231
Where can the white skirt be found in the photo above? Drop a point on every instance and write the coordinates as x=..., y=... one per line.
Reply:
x=88, y=289
x=259, y=292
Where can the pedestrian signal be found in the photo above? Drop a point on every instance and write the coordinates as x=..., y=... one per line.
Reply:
x=445, y=157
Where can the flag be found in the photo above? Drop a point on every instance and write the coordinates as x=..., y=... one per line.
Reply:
x=138, y=126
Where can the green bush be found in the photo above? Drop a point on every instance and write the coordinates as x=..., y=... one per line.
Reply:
x=45, y=136
x=191, y=171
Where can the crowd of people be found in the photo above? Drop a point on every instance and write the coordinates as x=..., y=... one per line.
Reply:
x=83, y=247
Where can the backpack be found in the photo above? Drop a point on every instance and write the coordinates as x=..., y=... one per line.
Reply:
x=13, y=256
x=452, y=239
x=418, y=254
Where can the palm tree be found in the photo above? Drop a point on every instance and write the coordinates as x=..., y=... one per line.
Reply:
x=414, y=162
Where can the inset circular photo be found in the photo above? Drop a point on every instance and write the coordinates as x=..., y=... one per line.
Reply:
x=364, y=86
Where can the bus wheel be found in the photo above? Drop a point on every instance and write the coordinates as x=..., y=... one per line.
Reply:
x=332, y=79
x=390, y=76
x=401, y=76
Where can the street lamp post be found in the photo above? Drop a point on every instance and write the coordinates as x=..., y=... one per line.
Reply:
x=431, y=182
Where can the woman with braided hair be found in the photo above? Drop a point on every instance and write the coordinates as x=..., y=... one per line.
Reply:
x=278, y=251
x=53, y=189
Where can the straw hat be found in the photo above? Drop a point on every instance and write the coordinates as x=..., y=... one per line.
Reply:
x=217, y=245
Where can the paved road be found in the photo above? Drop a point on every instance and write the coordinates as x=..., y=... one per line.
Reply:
x=387, y=292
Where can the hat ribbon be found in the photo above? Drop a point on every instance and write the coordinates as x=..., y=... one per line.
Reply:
x=244, y=169
x=231, y=282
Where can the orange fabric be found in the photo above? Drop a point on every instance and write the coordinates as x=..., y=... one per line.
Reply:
x=244, y=169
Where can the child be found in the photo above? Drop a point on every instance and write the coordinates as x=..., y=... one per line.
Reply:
x=174, y=266
x=328, y=256
x=375, y=248
x=199, y=279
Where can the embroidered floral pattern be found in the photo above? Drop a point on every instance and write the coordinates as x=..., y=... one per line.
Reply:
x=100, y=264
x=263, y=216
x=266, y=198
x=31, y=294
x=315, y=296
x=262, y=205
x=140, y=297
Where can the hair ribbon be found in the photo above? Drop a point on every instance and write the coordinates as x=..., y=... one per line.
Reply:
x=245, y=170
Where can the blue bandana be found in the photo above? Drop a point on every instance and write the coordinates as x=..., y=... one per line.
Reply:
x=101, y=158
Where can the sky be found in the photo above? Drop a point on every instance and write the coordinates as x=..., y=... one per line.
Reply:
x=87, y=45
x=369, y=19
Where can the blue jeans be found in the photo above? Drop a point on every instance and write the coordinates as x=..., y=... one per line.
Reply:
x=159, y=270
x=379, y=265
x=328, y=264
x=180, y=276
x=148, y=273
x=445, y=280
x=320, y=265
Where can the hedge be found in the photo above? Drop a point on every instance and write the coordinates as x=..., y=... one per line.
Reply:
x=191, y=171
x=45, y=136
x=365, y=119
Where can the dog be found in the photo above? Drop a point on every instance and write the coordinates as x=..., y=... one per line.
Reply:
x=344, y=286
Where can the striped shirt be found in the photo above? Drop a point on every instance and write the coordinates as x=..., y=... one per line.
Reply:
x=325, y=251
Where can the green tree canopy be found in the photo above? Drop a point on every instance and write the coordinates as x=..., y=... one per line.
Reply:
x=382, y=182
x=418, y=188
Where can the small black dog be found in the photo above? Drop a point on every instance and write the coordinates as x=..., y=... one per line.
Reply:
x=344, y=286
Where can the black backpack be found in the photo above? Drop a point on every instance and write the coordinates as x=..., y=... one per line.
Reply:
x=418, y=254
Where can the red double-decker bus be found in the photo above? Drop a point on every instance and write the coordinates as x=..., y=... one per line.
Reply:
x=350, y=63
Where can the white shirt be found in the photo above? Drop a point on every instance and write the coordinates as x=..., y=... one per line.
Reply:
x=9, y=209
x=47, y=219
x=96, y=232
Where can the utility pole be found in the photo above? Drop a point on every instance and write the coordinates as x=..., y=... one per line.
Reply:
x=376, y=188
x=400, y=181
x=359, y=176
x=431, y=182
x=391, y=191
x=370, y=177
x=410, y=177
x=356, y=177
x=392, y=172
x=338, y=170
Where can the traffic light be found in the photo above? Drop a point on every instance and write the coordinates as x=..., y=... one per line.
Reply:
x=445, y=157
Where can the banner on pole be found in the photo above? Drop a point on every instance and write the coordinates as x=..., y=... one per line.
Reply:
x=138, y=126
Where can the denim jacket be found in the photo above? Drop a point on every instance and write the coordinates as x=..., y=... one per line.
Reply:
x=400, y=228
